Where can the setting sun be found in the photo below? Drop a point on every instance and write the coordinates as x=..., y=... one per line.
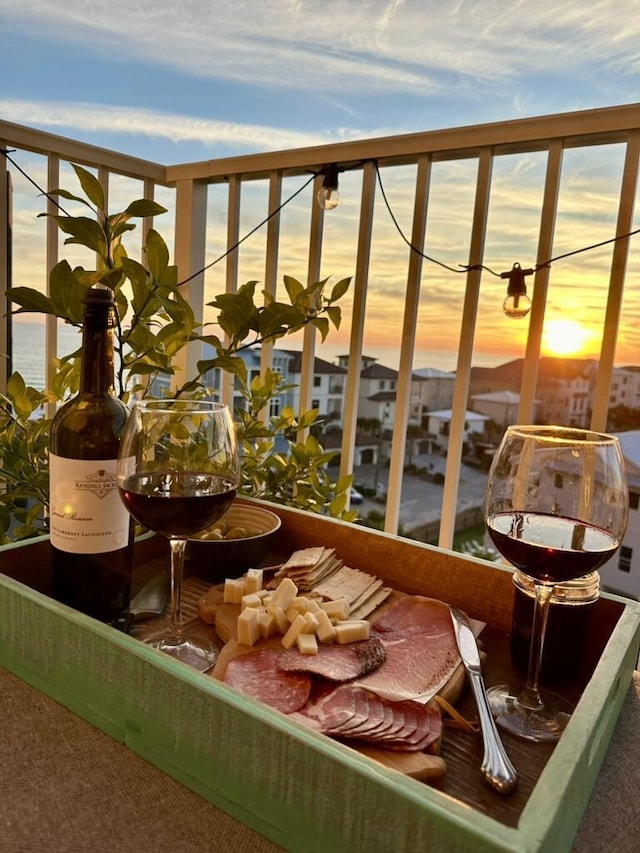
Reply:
x=564, y=337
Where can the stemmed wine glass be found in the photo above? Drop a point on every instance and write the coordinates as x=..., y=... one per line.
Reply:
x=177, y=473
x=556, y=508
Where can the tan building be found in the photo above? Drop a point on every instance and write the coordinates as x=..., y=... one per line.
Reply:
x=564, y=388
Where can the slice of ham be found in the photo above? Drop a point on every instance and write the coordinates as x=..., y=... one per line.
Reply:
x=257, y=674
x=336, y=662
x=421, y=649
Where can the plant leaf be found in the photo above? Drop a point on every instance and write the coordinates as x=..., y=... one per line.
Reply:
x=91, y=186
x=30, y=299
x=339, y=289
x=157, y=254
x=87, y=232
x=145, y=207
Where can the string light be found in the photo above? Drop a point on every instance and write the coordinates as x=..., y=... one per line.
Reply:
x=516, y=304
x=328, y=196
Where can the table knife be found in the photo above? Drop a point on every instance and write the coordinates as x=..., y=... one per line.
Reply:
x=496, y=766
x=150, y=601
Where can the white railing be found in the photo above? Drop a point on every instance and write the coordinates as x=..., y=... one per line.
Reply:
x=425, y=176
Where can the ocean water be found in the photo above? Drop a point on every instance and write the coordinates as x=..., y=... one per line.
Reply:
x=28, y=349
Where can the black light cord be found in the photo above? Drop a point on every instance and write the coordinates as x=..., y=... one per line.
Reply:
x=467, y=267
x=462, y=268
x=273, y=213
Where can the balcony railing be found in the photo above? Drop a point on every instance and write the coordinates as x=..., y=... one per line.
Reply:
x=520, y=191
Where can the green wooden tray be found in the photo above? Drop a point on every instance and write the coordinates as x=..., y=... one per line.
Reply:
x=302, y=790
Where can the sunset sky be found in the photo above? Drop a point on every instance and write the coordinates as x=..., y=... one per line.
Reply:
x=202, y=79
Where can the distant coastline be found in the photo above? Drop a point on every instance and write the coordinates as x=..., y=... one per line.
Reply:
x=28, y=349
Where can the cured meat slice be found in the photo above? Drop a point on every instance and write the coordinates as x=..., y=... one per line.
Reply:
x=352, y=713
x=257, y=674
x=336, y=662
x=421, y=650
x=335, y=709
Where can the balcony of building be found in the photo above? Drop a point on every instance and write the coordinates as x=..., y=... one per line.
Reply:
x=436, y=219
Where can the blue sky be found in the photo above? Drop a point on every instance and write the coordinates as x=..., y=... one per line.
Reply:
x=198, y=79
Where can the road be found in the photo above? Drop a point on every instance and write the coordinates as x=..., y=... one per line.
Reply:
x=421, y=499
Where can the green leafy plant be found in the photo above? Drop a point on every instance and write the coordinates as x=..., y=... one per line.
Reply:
x=155, y=324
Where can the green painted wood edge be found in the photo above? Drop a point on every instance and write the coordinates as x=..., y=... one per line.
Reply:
x=576, y=761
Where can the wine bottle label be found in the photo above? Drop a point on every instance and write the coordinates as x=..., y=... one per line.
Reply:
x=86, y=513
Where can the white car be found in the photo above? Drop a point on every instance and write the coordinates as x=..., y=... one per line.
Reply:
x=355, y=497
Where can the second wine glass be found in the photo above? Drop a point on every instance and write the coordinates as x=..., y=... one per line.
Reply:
x=177, y=473
x=556, y=508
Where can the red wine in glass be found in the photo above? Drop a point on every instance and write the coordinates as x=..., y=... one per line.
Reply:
x=177, y=504
x=178, y=471
x=556, y=507
x=550, y=548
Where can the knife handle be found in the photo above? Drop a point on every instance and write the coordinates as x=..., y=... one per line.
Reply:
x=124, y=622
x=496, y=767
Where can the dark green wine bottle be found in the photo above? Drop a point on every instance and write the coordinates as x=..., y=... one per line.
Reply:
x=91, y=531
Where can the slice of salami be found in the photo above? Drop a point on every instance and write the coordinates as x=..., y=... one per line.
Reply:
x=257, y=674
x=336, y=662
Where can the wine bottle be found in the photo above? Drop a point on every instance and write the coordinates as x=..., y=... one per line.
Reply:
x=91, y=530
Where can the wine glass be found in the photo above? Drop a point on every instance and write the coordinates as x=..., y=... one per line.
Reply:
x=177, y=473
x=556, y=508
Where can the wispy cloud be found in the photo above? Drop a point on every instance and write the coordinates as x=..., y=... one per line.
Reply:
x=369, y=44
x=101, y=118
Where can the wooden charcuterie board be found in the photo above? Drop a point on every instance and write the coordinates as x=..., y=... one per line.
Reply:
x=418, y=765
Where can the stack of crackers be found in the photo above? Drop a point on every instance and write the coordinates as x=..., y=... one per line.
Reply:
x=319, y=572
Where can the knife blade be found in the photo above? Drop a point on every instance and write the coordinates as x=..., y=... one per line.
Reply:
x=150, y=601
x=496, y=766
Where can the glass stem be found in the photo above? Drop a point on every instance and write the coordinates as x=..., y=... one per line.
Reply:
x=530, y=696
x=178, y=547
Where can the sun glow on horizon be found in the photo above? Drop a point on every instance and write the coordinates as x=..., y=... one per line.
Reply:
x=563, y=336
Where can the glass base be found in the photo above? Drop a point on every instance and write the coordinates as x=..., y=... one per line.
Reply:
x=545, y=724
x=194, y=650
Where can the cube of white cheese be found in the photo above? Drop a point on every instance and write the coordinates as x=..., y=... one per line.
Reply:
x=233, y=590
x=251, y=600
x=296, y=627
x=310, y=623
x=248, y=626
x=284, y=594
x=307, y=644
x=267, y=624
x=325, y=631
x=253, y=580
x=280, y=616
x=337, y=609
x=352, y=631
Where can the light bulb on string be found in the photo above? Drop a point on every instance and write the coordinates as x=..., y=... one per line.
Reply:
x=328, y=196
x=516, y=304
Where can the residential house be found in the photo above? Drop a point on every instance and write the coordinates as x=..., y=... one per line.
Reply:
x=439, y=426
x=564, y=388
x=377, y=398
x=432, y=389
x=621, y=574
x=500, y=406
x=625, y=388
x=329, y=382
